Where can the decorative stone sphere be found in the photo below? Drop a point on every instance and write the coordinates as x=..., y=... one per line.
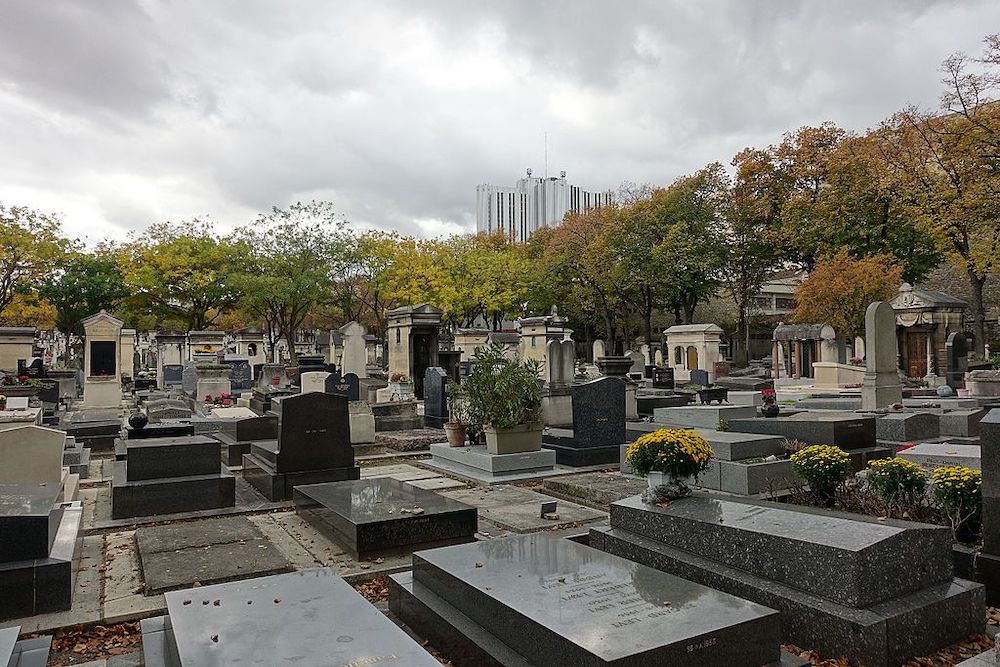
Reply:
x=945, y=391
x=138, y=420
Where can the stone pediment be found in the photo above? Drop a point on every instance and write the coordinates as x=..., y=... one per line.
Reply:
x=911, y=298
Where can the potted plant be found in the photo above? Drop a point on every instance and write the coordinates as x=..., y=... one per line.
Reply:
x=455, y=426
x=770, y=403
x=669, y=459
x=505, y=401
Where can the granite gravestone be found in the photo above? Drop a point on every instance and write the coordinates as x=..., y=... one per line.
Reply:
x=480, y=602
x=881, y=383
x=435, y=396
x=816, y=566
x=957, y=360
x=313, y=446
x=311, y=617
x=349, y=386
x=189, y=378
x=598, y=424
x=988, y=561
x=240, y=374
x=663, y=378
x=376, y=516
x=173, y=375
x=699, y=376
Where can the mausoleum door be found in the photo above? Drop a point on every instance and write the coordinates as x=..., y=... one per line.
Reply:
x=916, y=354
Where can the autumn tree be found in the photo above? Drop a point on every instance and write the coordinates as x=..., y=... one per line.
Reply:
x=180, y=273
x=949, y=162
x=31, y=247
x=290, y=261
x=29, y=309
x=840, y=288
x=752, y=213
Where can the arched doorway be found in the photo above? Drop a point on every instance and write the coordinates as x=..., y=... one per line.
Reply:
x=692, y=358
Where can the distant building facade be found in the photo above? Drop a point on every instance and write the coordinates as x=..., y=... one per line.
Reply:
x=532, y=203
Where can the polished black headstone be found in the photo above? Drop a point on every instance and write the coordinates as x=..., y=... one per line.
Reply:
x=313, y=433
x=556, y=602
x=599, y=412
x=158, y=458
x=49, y=391
x=240, y=374
x=310, y=617
x=663, y=377
x=173, y=374
x=29, y=520
x=373, y=516
x=348, y=385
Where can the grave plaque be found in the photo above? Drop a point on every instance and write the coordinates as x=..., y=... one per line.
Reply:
x=578, y=605
x=49, y=391
x=663, y=378
x=699, y=376
x=240, y=375
x=103, y=358
x=173, y=375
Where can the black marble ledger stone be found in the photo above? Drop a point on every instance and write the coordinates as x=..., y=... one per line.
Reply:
x=551, y=601
x=373, y=516
x=307, y=618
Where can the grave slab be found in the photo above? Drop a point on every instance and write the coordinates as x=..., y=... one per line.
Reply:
x=376, y=515
x=519, y=510
x=931, y=456
x=702, y=416
x=846, y=430
x=907, y=426
x=322, y=620
x=209, y=551
x=822, y=569
x=551, y=601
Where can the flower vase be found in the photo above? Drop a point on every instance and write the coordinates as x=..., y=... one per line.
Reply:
x=665, y=486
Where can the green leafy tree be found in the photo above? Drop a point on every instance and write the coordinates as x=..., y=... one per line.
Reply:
x=181, y=273
x=291, y=260
x=87, y=283
x=31, y=247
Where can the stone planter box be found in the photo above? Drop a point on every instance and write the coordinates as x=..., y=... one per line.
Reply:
x=521, y=438
x=831, y=375
x=983, y=383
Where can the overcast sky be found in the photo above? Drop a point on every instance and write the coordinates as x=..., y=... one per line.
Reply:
x=117, y=114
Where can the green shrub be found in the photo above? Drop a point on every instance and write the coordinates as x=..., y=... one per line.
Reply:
x=503, y=393
x=896, y=479
x=823, y=467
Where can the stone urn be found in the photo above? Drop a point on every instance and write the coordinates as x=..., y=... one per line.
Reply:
x=665, y=486
x=614, y=366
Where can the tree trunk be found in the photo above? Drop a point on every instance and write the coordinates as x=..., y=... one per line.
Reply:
x=978, y=310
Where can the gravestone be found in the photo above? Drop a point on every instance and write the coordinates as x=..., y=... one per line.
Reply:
x=240, y=373
x=375, y=516
x=435, y=397
x=699, y=376
x=355, y=356
x=349, y=386
x=450, y=361
x=881, y=387
x=237, y=436
x=957, y=360
x=169, y=475
x=907, y=426
x=173, y=375
x=598, y=349
x=31, y=454
x=311, y=617
x=189, y=378
x=638, y=361
x=479, y=602
x=313, y=446
x=560, y=362
x=598, y=424
x=819, y=568
x=933, y=455
x=313, y=381
x=988, y=560
x=847, y=430
x=663, y=378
